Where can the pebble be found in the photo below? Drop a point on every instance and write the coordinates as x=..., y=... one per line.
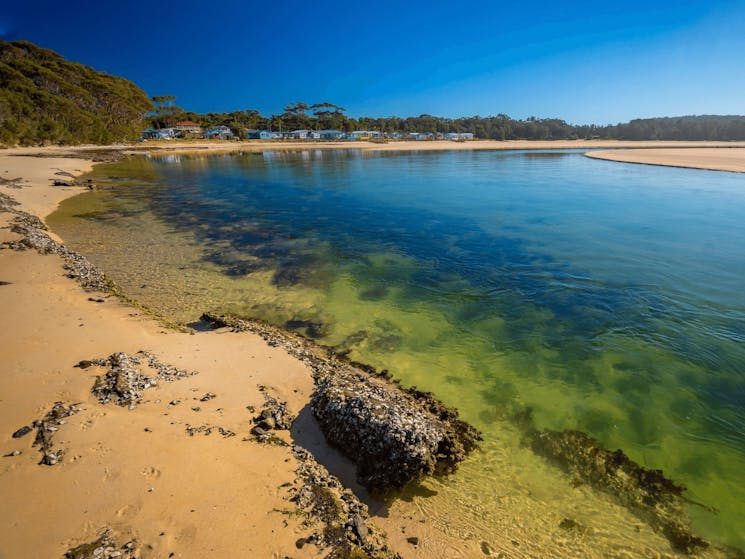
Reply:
x=25, y=430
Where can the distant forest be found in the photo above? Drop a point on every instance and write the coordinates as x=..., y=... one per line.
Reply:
x=45, y=99
x=501, y=127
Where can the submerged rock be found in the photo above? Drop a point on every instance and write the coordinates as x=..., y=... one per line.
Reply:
x=648, y=493
x=310, y=328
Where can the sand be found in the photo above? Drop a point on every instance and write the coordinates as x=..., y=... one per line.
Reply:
x=709, y=158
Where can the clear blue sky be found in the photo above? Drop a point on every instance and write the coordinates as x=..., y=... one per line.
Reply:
x=582, y=61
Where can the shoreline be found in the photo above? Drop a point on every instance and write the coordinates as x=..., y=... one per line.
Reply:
x=110, y=467
x=91, y=459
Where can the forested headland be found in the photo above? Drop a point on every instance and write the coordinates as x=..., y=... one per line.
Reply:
x=45, y=99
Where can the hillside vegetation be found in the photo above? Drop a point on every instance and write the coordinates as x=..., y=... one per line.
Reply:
x=47, y=99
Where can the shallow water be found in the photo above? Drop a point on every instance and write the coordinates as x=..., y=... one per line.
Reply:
x=604, y=297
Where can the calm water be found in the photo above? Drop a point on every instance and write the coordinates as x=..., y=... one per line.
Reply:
x=606, y=297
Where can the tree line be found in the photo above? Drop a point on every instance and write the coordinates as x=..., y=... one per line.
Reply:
x=321, y=116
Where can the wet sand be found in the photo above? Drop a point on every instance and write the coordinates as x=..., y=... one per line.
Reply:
x=709, y=158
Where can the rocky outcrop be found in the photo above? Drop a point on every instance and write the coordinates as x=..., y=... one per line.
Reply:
x=395, y=435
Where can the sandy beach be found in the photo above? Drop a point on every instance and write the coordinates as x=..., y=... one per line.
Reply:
x=139, y=472
x=709, y=158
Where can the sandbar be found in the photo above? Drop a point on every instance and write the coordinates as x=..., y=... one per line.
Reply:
x=722, y=158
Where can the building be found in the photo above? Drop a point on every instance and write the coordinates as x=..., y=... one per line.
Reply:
x=299, y=134
x=161, y=134
x=326, y=134
x=419, y=136
x=188, y=129
x=221, y=132
x=364, y=135
x=459, y=136
x=262, y=135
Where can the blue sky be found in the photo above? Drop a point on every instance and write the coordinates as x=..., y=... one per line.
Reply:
x=577, y=60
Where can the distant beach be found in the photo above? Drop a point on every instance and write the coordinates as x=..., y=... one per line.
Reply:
x=709, y=158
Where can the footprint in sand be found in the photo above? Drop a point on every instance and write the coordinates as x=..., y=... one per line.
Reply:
x=151, y=472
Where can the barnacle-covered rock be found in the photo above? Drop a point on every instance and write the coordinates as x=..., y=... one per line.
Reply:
x=394, y=437
x=46, y=427
x=394, y=434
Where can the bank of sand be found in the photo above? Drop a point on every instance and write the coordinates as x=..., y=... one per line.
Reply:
x=709, y=158
x=138, y=471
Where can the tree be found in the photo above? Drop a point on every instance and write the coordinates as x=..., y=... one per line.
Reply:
x=166, y=113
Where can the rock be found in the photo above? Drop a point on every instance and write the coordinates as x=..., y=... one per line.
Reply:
x=259, y=432
x=486, y=549
x=359, y=527
x=274, y=414
x=23, y=431
x=343, y=518
x=47, y=427
x=207, y=397
x=12, y=454
x=413, y=540
x=124, y=382
x=299, y=543
x=87, y=363
x=104, y=547
x=392, y=437
x=267, y=423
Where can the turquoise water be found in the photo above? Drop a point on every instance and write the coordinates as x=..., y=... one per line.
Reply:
x=604, y=297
